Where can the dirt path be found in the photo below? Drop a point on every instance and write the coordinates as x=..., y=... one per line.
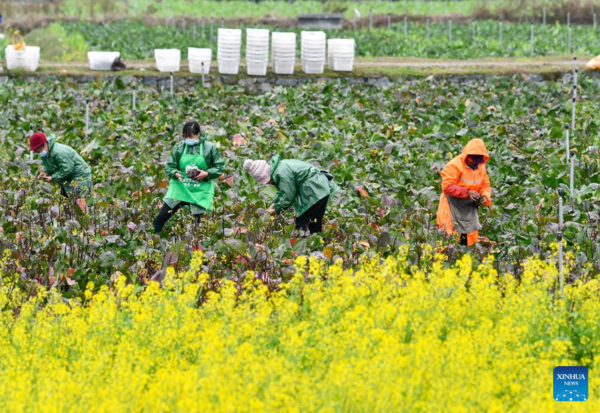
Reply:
x=397, y=62
x=468, y=63
x=391, y=67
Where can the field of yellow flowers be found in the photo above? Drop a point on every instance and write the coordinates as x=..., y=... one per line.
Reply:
x=382, y=337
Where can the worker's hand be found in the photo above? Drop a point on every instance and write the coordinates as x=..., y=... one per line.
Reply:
x=43, y=175
x=271, y=211
x=201, y=176
x=474, y=196
x=178, y=176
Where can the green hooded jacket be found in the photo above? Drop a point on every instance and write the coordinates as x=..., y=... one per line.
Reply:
x=66, y=167
x=214, y=160
x=299, y=184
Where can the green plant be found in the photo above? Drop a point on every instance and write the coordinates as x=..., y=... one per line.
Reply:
x=391, y=142
x=335, y=6
x=57, y=44
x=137, y=40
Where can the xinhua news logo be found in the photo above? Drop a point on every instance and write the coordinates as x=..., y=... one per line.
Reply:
x=570, y=384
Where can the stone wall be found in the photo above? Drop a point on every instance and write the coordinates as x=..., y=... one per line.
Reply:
x=269, y=82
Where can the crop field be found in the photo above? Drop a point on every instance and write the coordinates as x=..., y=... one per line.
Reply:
x=287, y=9
x=381, y=312
x=208, y=8
x=384, y=337
x=523, y=10
x=385, y=147
x=136, y=40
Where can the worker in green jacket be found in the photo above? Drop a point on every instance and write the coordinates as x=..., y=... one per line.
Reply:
x=193, y=166
x=63, y=165
x=299, y=184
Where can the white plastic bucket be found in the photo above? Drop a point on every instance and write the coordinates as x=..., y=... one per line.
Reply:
x=257, y=69
x=227, y=67
x=102, y=60
x=342, y=65
x=198, y=56
x=168, y=60
x=313, y=66
x=283, y=68
x=196, y=66
x=197, y=53
x=28, y=59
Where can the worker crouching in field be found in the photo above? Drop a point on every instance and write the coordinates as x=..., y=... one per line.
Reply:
x=63, y=165
x=465, y=187
x=193, y=165
x=299, y=184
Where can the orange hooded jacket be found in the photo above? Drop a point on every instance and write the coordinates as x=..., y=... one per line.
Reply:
x=456, y=172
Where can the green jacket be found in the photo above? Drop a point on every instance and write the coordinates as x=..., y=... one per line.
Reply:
x=66, y=167
x=299, y=184
x=214, y=160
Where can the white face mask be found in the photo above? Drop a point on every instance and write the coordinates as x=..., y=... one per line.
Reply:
x=44, y=153
x=191, y=141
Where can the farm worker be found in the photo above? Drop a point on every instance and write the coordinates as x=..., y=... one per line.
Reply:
x=299, y=184
x=465, y=187
x=63, y=165
x=193, y=165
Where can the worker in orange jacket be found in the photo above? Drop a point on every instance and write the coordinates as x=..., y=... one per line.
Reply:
x=465, y=187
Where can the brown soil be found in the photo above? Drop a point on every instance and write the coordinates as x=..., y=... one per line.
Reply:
x=373, y=67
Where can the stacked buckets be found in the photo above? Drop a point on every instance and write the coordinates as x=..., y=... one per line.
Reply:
x=257, y=51
x=340, y=54
x=313, y=46
x=284, y=53
x=229, y=51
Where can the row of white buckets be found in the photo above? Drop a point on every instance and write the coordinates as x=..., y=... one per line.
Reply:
x=169, y=60
x=315, y=52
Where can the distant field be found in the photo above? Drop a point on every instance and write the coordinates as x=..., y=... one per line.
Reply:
x=136, y=40
x=237, y=8
x=284, y=8
x=580, y=11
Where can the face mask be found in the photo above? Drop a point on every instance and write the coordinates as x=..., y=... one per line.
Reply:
x=191, y=142
x=43, y=154
x=477, y=159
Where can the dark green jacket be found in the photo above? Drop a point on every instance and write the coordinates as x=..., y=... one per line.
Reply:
x=214, y=160
x=66, y=167
x=299, y=184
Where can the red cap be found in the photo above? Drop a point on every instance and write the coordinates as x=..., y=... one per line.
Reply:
x=37, y=140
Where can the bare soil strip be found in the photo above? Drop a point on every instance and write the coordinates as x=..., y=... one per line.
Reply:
x=370, y=67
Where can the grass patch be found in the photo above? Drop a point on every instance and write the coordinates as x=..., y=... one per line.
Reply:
x=58, y=45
